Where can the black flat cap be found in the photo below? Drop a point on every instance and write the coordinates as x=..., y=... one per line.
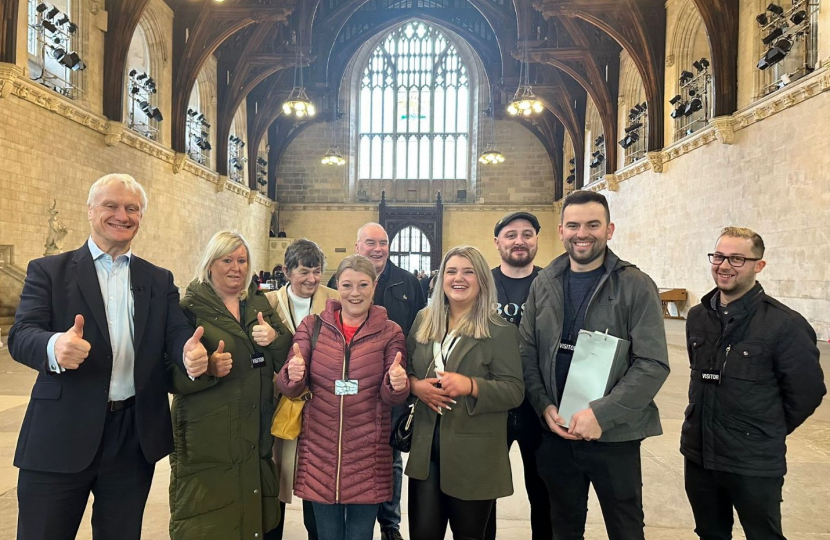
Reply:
x=503, y=222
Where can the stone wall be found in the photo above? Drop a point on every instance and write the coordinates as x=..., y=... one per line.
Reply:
x=772, y=179
x=525, y=178
x=48, y=156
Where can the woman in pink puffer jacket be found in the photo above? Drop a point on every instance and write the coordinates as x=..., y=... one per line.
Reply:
x=356, y=373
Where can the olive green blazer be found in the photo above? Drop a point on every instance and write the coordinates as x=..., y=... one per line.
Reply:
x=474, y=463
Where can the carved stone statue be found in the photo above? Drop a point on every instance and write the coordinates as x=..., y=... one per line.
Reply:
x=56, y=232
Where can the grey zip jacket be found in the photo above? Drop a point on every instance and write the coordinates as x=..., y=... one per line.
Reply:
x=626, y=303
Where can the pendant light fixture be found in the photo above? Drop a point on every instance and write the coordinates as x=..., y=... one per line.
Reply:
x=524, y=102
x=298, y=104
x=491, y=154
x=333, y=155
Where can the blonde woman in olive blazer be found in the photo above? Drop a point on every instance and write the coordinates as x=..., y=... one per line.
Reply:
x=304, y=262
x=465, y=369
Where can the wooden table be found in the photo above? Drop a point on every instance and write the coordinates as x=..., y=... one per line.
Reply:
x=677, y=297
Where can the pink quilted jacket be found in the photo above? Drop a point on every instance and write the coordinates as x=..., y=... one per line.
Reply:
x=343, y=452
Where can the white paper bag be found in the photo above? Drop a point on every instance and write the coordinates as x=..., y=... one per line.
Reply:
x=599, y=361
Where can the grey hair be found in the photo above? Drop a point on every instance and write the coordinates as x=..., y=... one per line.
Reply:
x=303, y=252
x=221, y=244
x=124, y=179
x=371, y=224
x=476, y=323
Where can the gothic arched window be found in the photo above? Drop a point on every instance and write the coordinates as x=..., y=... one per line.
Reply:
x=413, y=117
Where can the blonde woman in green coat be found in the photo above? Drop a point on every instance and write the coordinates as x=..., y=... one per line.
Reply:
x=466, y=371
x=223, y=483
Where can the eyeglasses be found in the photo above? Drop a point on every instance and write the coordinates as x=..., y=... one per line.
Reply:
x=735, y=261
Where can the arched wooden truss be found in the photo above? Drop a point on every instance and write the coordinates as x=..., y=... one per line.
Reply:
x=252, y=40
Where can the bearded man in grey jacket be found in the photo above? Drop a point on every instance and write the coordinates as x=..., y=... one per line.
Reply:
x=590, y=288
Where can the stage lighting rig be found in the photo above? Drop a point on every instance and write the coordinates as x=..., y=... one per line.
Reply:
x=54, y=35
x=198, y=136
x=781, y=28
x=140, y=88
x=572, y=172
x=236, y=158
x=693, y=97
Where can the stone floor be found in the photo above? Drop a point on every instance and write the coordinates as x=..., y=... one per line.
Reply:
x=668, y=516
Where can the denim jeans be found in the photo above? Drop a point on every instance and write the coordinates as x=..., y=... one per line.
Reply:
x=345, y=521
x=389, y=514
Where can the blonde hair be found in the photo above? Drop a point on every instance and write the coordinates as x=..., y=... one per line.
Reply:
x=221, y=244
x=742, y=232
x=476, y=324
x=358, y=263
x=124, y=179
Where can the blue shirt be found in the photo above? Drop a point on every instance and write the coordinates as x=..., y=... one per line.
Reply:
x=114, y=280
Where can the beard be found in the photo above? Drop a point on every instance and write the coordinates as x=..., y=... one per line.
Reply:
x=596, y=251
x=519, y=257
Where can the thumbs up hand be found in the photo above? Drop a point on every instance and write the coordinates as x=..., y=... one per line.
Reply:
x=263, y=333
x=71, y=349
x=195, y=355
x=296, y=366
x=397, y=374
x=220, y=362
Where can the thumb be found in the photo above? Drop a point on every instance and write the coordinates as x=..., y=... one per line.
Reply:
x=259, y=318
x=78, y=327
x=440, y=373
x=197, y=335
x=397, y=361
x=297, y=353
x=221, y=348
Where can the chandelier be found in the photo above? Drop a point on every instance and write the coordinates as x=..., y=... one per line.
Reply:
x=298, y=103
x=524, y=102
x=333, y=157
x=491, y=154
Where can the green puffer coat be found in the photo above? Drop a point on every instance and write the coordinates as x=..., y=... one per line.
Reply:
x=223, y=484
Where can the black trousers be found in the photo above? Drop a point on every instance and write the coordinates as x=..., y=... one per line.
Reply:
x=430, y=510
x=51, y=505
x=569, y=467
x=712, y=495
x=523, y=427
x=308, y=521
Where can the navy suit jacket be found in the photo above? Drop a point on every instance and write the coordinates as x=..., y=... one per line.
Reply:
x=64, y=422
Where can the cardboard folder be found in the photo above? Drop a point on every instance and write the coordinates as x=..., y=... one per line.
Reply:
x=599, y=362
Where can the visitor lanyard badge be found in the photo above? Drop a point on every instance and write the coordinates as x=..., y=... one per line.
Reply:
x=345, y=387
x=257, y=360
x=567, y=346
x=710, y=376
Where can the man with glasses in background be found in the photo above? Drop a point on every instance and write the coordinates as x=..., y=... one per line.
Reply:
x=755, y=377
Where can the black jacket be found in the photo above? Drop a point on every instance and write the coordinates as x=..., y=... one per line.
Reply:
x=64, y=422
x=770, y=382
x=403, y=297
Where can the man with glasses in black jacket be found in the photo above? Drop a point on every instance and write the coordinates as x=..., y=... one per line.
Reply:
x=755, y=377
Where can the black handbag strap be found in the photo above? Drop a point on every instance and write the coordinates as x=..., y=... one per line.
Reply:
x=315, y=333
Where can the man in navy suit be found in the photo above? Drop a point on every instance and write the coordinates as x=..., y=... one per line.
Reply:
x=96, y=324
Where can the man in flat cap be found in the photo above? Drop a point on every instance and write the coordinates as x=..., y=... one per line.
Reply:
x=515, y=237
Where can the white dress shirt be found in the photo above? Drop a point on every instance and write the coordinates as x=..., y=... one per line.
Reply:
x=119, y=305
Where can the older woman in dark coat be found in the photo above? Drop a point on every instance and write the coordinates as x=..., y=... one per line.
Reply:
x=223, y=483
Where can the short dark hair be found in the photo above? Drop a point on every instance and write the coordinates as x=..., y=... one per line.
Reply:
x=304, y=252
x=583, y=196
